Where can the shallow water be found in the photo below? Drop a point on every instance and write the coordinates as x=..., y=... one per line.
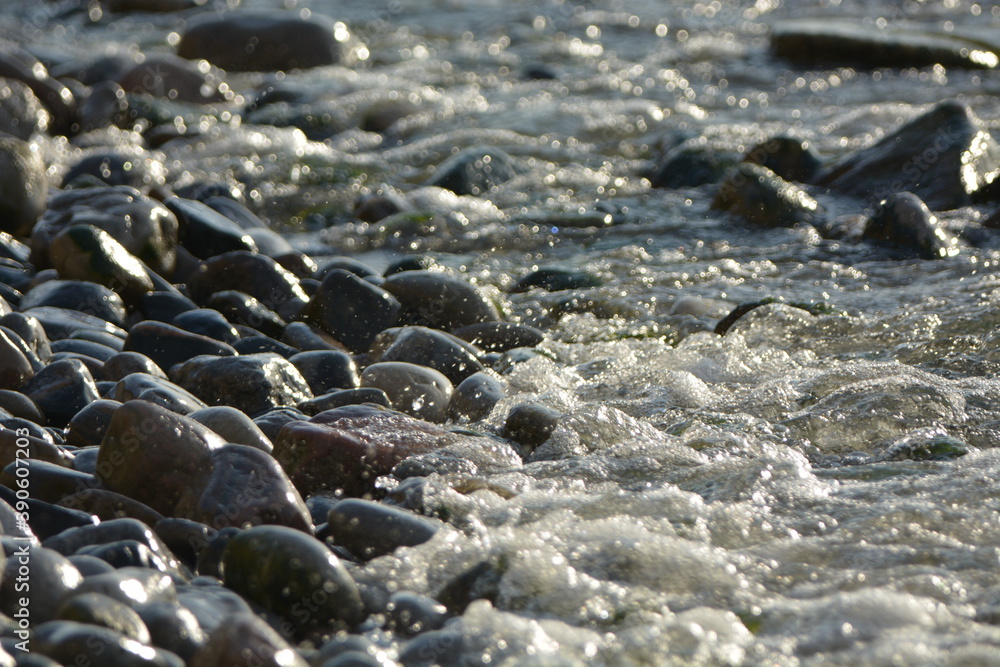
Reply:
x=806, y=489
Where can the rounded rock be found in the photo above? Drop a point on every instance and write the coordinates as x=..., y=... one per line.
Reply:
x=415, y=390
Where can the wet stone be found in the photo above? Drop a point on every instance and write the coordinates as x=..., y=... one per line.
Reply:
x=166, y=75
x=143, y=226
x=240, y=308
x=205, y=232
x=259, y=276
x=132, y=553
x=207, y=322
x=692, y=163
x=306, y=338
x=234, y=426
x=38, y=449
x=46, y=519
x=59, y=323
x=758, y=196
x=453, y=357
x=262, y=344
x=32, y=332
x=15, y=369
x=337, y=399
x=790, y=158
x=157, y=390
x=86, y=253
x=253, y=383
x=87, y=348
x=90, y=566
x=87, y=426
x=904, y=222
x=530, y=424
x=500, y=336
x=475, y=397
x=125, y=363
x=278, y=568
x=380, y=204
x=415, y=390
x=101, y=610
x=246, y=635
x=52, y=577
x=108, y=505
x=410, y=614
x=173, y=628
x=440, y=301
x=17, y=64
x=347, y=448
x=48, y=481
x=210, y=562
x=944, y=156
x=368, y=529
x=154, y=455
x=184, y=537
x=132, y=169
x=324, y=370
x=555, y=279
x=351, y=309
x=168, y=345
x=70, y=642
x=62, y=389
x=131, y=585
x=21, y=113
x=23, y=185
x=261, y=42
x=349, y=264
x=474, y=171
x=246, y=486
x=165, y=306
x=272, y=421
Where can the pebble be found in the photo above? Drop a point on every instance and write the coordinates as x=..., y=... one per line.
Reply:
x=369, y=529
x=167, y=345
x=500, y=336
x=409, y=614
x=15, y=369
x=205, y=232
x=108, y=505
x=207, y=322
x=440, y=301
x=259, y=276
x=476, y=396
x=62, y=389
x=23, y=185
x=70, y=642
x=173, y=628
x=454, y=358
x=234, y=426
x=244, y=639
x=126, y=363
x=351, y=309
x=530, y=424
x=760, y=197
x=101, y=610
x=262, y=42
x=905, y=222
x=166, y=75
x=156, y=390
x=52, y=578
x=415, y=390
x=283, y=570
x=19, y=65
x=790, y=158
x=252, y=383
x=21, y=113
x=474, y=171
x=240, y=308
x=84, y=252
x=325, y=370
x=691, y=163
x=337, y=399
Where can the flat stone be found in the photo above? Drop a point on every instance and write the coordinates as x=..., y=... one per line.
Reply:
x=59, y=323
x=108, y=505
x=252, y=383
x=415, y=390
x=155, y=456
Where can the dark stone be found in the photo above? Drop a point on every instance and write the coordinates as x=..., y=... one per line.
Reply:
x=410, y=263
x=380, y=204
x=263, y=344
x=416, y=390
x=159, y=391
x=210, y=555
x=78, y=346
x=240, y=308
x=453, y=357
x=500, y=336
x=21, y=112
x=253, y=383
x=62, y=389
x=344, y=397
x=758, y=196
x=905, y=223
x=475, y=397
x=304, y=337
x=272, y=421
x=207, y=322
x=692, y=163
x=245, y=487
x=349, y=264
x=90, y=566
x=155, y=456
x=530, y=424
x=173, y=628
x=479, y=582
x=30, y=331
x=98, y=609
x=185, y=538
x=555, y=280
x=325, y=370
x=474, y=171
x=58, y=323
x=168, y=345
x=132, y=585
x=278, y=567
x=261, y=42
x=233, y=425
x=70, y=642
x=38, y=449
x=46, y=519
x=19, y=65
x=945, y=156
x=259, y=276
x=351, y=309
x=410, y=614
x=165, y=306
x=791, y=159
x=144, y=227
x=108, y=505
x=23, y=184
x=126, y=363
x=832, y=42
x=87, y=426
x=368, y=529
x=167, y=76
x=440, y=301
x=52, y=578
x=15, y=368
x=246, y=635
x=205, y=232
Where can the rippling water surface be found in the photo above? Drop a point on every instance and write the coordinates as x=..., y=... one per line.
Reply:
x=806, y=489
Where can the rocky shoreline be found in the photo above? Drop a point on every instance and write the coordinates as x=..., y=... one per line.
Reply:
x=206, y=435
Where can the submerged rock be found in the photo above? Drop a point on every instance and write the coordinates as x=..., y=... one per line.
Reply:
x=905, y=222
x=474, y=171
x=758, y=196
x=262, y=42
x=368, y=529
x=790, y=158
x=945, y=156
x=692, y=163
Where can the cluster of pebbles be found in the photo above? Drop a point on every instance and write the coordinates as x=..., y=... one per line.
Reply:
x=199, y=426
